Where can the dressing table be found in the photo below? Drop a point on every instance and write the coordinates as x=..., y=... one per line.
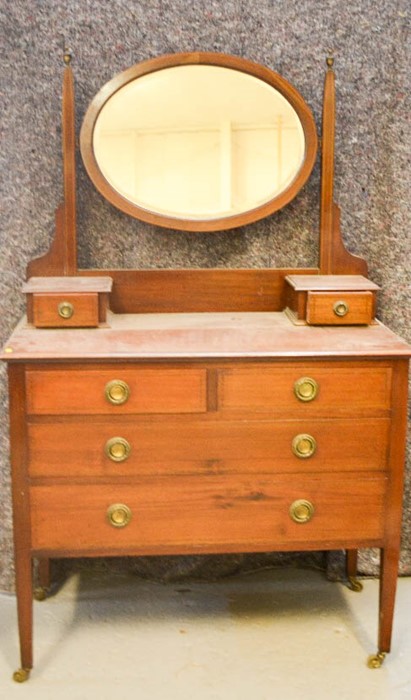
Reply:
x=203, y=411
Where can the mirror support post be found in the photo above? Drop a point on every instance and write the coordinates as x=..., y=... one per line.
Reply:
x=327, y=170
x=335, y=259
x=69, y=159
x=61, y=258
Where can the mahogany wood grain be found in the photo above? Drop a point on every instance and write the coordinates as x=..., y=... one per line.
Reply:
x=390, y=552
x=69, y=173
x=184, y=337
x=21, y=513
x=208, y=512
x=343, y=389
x=307, y=294
x=61, y=258
x=45, y=310
x=327, y=173
x=198, y=290
x=67, y=285
x=201, y=447
x=320, y=308
x=331, y=283
x=89, y=296
x=158, y=390
x=334, y=258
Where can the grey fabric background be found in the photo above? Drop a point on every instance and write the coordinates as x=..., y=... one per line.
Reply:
x=369, y=38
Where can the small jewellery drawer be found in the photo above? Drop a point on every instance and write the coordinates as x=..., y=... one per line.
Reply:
x=340, y=308
x=336, y=300
x=208, y=514
x=67, y=302
x=65, y=310
x=116, y=391
x=196, y=446
x=307, y=389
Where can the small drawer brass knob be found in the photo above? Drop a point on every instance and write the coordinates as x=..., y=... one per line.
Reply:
x=301, y=511
x=304, y=446
x=119, y=515
x=65, y=309
x=117, y=392
x=305, y=389
x=117, y=449
x=341, y=308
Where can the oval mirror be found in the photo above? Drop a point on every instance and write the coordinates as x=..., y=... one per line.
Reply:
x=198, y=141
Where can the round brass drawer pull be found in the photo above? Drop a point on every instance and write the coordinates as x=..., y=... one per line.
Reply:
x=306, y=389
x=119, y=515
x=117, y=391
x=117, y=449
x=341, y=308
x=304, y=446
x=301, y=511
x=65, y=309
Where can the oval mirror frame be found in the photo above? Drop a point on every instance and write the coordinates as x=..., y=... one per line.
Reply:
x=264, y=74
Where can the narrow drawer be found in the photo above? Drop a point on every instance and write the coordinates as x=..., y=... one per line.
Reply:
x=208, y=514
x=116, y=391
x=307, y=389
x=65, y=310
x=195, y=446
x=340, y=308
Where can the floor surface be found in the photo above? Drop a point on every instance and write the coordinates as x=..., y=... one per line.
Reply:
x=283, y=634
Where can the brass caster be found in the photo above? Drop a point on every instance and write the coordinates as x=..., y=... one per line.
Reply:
x=376, y=660
x=354, y=584
x=40, y=593
x=21, y=675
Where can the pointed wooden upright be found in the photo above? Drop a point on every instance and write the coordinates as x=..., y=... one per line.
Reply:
x=61, y=258
x=334, y=257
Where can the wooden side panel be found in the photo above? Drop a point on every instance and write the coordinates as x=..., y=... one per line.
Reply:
x=190, y=514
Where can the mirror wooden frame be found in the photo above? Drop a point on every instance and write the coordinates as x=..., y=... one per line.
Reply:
x=264, y=74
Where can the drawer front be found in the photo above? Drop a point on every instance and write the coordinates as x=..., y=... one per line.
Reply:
x=116, y=391
x=195, y=446
x=65, y=310
x=340, y=308
x=191, y=514
x=324, y=390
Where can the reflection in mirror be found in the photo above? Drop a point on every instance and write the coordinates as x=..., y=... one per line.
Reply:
x=198, y=142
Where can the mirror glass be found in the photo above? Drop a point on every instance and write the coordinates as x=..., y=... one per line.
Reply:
x=198, y=142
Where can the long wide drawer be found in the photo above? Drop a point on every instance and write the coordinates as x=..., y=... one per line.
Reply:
x=116, y=391
x=191, y=514
x=193, y=445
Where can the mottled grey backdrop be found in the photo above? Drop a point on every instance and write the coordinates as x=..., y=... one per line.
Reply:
x=369, y=38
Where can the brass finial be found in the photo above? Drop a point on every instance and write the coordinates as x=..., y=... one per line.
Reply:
x=330, y=59
x=67, y=56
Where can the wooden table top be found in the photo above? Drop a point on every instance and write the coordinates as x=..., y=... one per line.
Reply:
x=202, y=335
